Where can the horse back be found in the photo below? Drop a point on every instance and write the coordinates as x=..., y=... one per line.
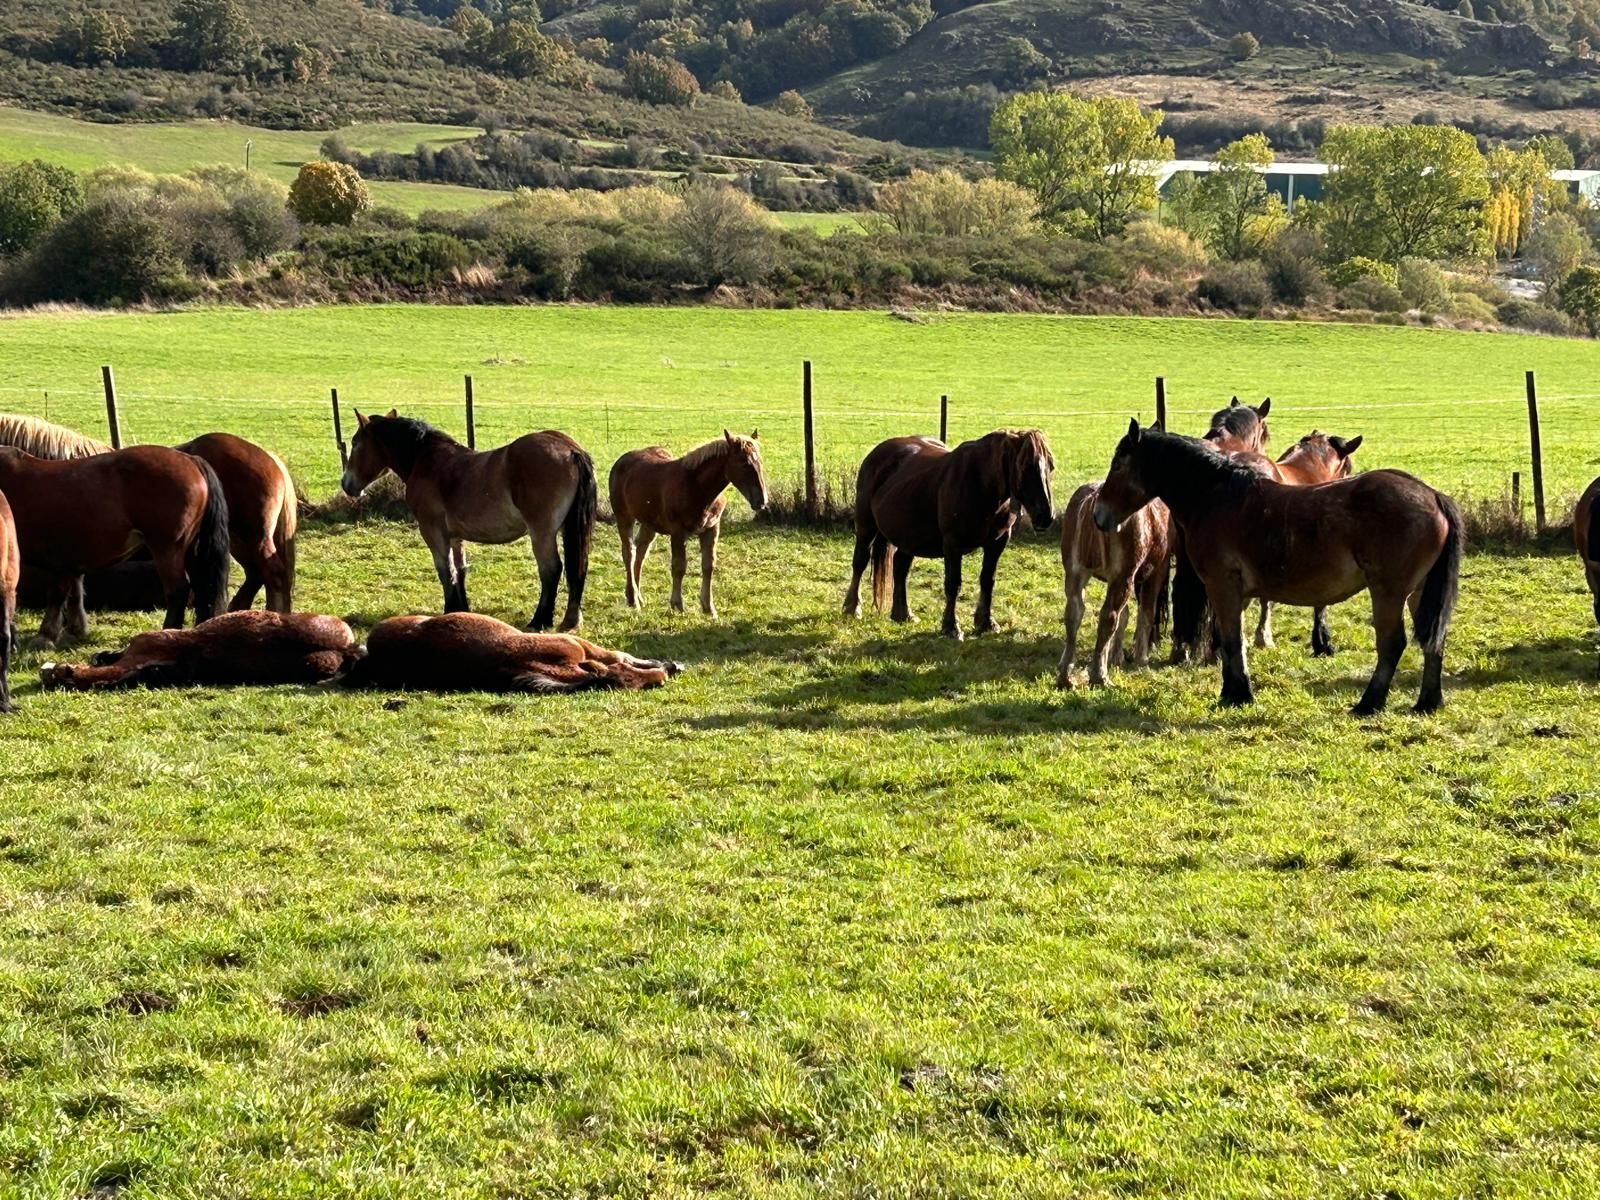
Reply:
x=639, y=482
x=898, y=487
x=253, y=480
x=1585, y=530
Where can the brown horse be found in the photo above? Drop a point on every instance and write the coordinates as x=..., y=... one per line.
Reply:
x=468, y=652
x=1239, y=427
x=1383, y=531
x=1586, y=532
x=540, y=485
x=263, y=510
x=82, y=514
x=235, y=648
x=916, y=498
x=682, y=498
x=10, y=568
x=1134, y=560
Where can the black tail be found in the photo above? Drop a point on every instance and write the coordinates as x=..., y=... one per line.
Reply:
x=1191, y=607
x=207, y=560
x=8, y=637
x=1594, y=529
x=1443, y=584
x=577, y=531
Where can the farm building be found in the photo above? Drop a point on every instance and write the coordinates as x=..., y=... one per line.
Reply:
x=1295, y=181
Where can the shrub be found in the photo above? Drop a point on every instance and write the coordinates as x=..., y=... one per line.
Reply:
x=94, y=37
x=33, y=197
x=1550, y=95
x=1243, y=46
x=1351, y=270
x=111, y=251
x=724, y=89
x=328, y=193
x=1580, y=298
x=1163, y=250
x=1295, y=278
x=951, y=206
x=1241, y=287
x=792, y=104
x=412, y=260
x=1373, y=294
x=263, y=222
x=1423, y=285
x=658, y=80
x=726, y=236
x=1464, y=306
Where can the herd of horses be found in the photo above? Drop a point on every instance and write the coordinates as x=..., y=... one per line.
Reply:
x=1186, y=528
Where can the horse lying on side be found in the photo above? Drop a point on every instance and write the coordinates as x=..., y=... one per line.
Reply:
x=470, y=652
x=242, y=647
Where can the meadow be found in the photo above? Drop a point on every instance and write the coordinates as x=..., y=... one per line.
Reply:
x=846, y=908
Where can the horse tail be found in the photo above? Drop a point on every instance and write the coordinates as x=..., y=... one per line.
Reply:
x=207, y=559
x=1443, y=584
x=284, y=534
x=1158, y=619
x=1594, y=529
x=1191, y=607
x=882, y=555
x=577, y=531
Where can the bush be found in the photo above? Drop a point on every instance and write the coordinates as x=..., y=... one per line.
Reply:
x=792, y=104
x=1373, y=294
x=1243, y=46
x=1423, y=285
x=111, y=251
x=411, y=260
x=1163, y=250
x=1239, y=287
x=726, y=236
x=1550, y=95
x=1465, y=306
x=1580, y=298
x=1351, y=270
x=724, y=89
x=660, y=80
x=328, y=193
x=33, y=197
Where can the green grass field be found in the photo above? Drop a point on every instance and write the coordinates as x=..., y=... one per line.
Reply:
x=846, y=909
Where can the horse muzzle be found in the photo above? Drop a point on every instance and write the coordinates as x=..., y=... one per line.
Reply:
x=758, y=501
x=348, y=485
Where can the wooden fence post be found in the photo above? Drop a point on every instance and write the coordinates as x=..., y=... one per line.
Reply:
x=1516, y=493
x=1161, y=402
x=811, y=447
x=472, y=429
x=944, y=419
x=1538, y=454
x=338, y=433
x=111, y=406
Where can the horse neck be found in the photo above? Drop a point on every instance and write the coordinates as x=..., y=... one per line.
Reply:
x=1184, y=477
x=709, y=477
x=435, y=450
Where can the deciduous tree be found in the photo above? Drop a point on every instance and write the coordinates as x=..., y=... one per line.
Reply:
x=328, y=193
x=1404, y=190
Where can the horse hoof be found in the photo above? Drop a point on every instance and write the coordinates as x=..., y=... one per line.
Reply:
x=39, y=642
x=1428, y=705
x=1230, y=700
x=1364, y=709
x=953, y=632
x=1098, y=681
x=902, y=618
x=673, y=669
x=1064, y=681
x=979, y=628
x=1323, y=651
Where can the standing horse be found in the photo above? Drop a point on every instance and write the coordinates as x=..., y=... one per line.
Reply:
x=540, y=485
x=82, y=514
x=1586, y=532
x=916, y=498
x=1134, y=560
x=1384, y=531
x=1239, y=427
x=681, y=497
x=10, y=568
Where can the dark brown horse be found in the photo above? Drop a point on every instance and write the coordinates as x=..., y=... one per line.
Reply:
x=468, y=652
x=10, y=569
x=1383, y=531
x=83, y=514
x=1240, y=427
x=263, y=515
x=540, y=485
x=682, y=498
x=1586, y=532
x=916, y=498
x=235, y=648
x=1132, y=561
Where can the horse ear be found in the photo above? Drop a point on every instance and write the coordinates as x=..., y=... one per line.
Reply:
x=1133, y=428
x=1346, y=448
x=1266, y=407
x=361, y=419
x=392, y=414
x=1234, y=403
x=755, y=435
x=726, y=435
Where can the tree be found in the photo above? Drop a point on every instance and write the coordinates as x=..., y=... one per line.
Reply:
x=1232, y=200
x=1516, y=181
x=657, y=80
x=726, y=236
x=946, y=204
x=1403, y=190
x=724, y=89
x=1554, y=150
x=792, y=104
x=473, y=28
x=1556, y=248
x=94, y=37
x=1243, y=46
x=1580, y=298
x=1087, y=161
x=212, y=35
x=328, y=193
x=1021, y=62
x=34, y=196
x=518, y=48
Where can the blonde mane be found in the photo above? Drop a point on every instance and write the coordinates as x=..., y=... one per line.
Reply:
x=44, y=440
x=716, y=448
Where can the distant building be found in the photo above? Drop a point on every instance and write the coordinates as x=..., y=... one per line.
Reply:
x=1295, y=181
x=1581, y=184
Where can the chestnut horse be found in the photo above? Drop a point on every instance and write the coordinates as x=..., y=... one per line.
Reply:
x=82, y=514
x=1134, y=560
x=540, y=485
x=235, y=648
x=682, y=497
x=1586, y=532
x=263, y=510
x=1239, y=427
x=916, y=498
x=1384, y=531
x=10, y=568
x=461, y=652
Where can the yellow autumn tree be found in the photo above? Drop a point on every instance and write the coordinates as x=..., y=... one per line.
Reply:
x=1517, y=180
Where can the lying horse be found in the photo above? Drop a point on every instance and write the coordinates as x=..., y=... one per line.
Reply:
x=1384, y=531
x=83, y=514
x=1134, y=560
x=916, y=498
x=539, y=485
x=681, y=497
x=10, y=569
x=236, y=648
x=462, y=652
x=1586, y=532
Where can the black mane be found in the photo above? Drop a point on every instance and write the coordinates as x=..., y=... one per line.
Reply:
x=1238, y=420
x=403, y=439
x=1192, y=464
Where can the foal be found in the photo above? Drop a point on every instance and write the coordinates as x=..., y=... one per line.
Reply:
x=682, y=498
x=1133, y=560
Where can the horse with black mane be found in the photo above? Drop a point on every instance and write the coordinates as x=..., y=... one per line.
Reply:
x=1383, y=531
x=539, y=486
x=917, y=498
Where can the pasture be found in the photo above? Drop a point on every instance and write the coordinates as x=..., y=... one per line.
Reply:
x=846, y=908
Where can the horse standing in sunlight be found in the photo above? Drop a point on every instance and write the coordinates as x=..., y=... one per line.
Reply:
x=539, y=486
x=1586, y=533
x=682, y=498
x=1383, y=531
x=916, y=498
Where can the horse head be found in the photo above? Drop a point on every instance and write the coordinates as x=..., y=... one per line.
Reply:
x=1331, y=455
x=1239, y=426
x=368, y=457
x=744, y=468
x=1028, y=467
x=1124, y=491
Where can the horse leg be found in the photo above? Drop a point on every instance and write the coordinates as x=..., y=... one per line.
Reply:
x=1388, y=621
x=952, y=592
x=458, y=564
x=1229, y=609
x=708, y=563
x=983, y=619
x=1264, y=627
x=858, y=568
x=77, y=615
x=641, y=547
x=1113, y=623
x=680, y=564
x=174, y=576
x=629, y=582
x=245, y=598
x=548, y=559
x=1144, y=627
x=1321, y=635
x=443, y=566
x=901, y=609
x=55, y=605
x=1073, y=620
x=1119, y=640
x=1431, y=698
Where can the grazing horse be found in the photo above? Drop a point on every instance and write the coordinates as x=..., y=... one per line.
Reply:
x=81, y=514
x=1384, y=531
x=1586, y=532
x=263, y=510
x=10, y=568
x=682, y=497
x=1134, y=560
x=540, y=485
x=468, y=652
x=916, y=498
x=236, y=648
